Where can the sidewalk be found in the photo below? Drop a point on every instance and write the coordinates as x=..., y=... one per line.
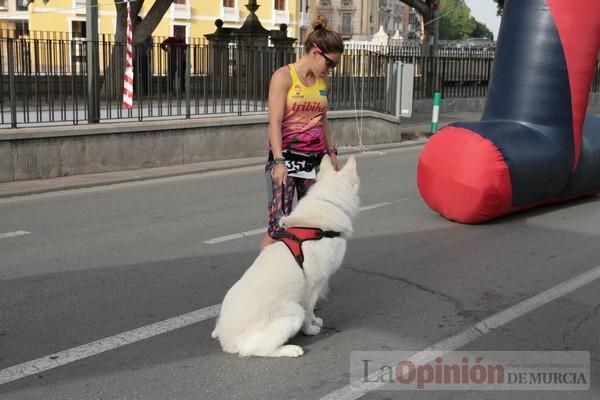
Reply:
x=415, y=129
x=38, y=186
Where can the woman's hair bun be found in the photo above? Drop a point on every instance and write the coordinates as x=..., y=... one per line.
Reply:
x=319, y=23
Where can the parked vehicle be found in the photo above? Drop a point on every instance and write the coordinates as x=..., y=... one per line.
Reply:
x=475, y=43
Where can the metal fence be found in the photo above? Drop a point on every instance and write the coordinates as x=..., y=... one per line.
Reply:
x=43, y=79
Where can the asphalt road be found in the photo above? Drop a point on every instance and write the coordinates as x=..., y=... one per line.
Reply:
x=88, y=264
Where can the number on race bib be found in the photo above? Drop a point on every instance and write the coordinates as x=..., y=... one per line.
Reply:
x=300, y=169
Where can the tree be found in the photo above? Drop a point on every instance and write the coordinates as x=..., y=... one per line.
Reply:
x=500, y=6
x=115, y=71
x=457, y=22
x=481, y=30
x=153, y=18
x=148, y=24
x=113, y=76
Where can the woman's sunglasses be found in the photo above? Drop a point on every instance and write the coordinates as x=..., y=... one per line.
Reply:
x=328, y=61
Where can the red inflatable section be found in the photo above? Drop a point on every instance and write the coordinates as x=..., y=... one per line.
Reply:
x=581, y=43
x=467, y=190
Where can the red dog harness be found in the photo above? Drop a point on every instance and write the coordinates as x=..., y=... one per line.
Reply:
x=294, y=237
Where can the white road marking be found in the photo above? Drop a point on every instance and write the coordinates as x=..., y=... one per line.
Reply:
x=350, y=392
x=374, y=206
x=234, y=236
x=259, y=231
x=87, y=350
x=13, y=234
x=357, y=389
x=100, y=346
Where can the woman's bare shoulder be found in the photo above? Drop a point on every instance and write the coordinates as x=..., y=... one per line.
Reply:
x=282, y=76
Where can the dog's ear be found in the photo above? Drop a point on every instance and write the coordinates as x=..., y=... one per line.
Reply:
x=325, y=167
x=350, y=169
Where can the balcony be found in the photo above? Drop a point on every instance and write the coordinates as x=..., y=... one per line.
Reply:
x=231, y=14
x=281, y=17
x=181, y=10
x=79, y=6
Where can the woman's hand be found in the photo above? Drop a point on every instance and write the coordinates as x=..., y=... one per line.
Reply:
x=334, y=161
x=279, y=173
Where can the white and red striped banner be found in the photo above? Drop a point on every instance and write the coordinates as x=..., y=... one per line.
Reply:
x=128, y=77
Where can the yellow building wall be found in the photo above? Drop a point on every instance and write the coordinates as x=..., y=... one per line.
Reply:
x=4, y=25
x=56, y=16
x=53, y=17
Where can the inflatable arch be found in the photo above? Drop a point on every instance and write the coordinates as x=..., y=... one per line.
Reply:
x=534, y=143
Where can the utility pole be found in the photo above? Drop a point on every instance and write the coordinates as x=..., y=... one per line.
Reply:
x=93, y=60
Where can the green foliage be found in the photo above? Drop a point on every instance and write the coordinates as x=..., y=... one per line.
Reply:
x=500, y=6
x=481, y=30
x=456, y=22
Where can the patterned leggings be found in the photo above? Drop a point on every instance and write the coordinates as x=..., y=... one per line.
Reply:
x=281, y=197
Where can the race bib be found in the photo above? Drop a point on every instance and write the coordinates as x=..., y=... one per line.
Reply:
x=300, y=165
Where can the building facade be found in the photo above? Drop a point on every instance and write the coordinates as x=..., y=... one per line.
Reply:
x=14, y=16
x=359, y=20
x=353, y=19
x=396, y=16
x=196, y=18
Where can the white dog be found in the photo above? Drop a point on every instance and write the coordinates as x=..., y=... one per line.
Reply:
x=276, y=296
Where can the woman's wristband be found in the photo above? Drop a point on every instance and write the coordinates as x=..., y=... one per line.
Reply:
x=279, y=161
x=332, y=150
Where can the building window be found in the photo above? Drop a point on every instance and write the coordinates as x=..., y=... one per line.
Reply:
x=21, y=29
x=78, y=30
x=183, y=29
x=230, y=11
x=347, y=3
x=346, y=23
x=413, y=22
x=325, y=3
x=3, y=4
x=22, y=5
x=280, y=5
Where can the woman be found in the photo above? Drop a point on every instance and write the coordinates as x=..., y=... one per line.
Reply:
x=299, y=135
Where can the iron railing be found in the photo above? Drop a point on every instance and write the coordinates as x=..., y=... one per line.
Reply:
x=43, y=78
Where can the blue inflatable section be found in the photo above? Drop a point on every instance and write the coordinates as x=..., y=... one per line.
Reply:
x=537, y=148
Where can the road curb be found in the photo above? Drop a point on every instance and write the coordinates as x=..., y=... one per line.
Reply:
x=40, y=186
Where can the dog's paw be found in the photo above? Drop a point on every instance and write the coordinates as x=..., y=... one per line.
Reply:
x=290, y=350
x=311, y=330
x=317, y=321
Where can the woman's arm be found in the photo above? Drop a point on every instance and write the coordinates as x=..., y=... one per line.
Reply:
x=329, y=144
x=281, y=81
